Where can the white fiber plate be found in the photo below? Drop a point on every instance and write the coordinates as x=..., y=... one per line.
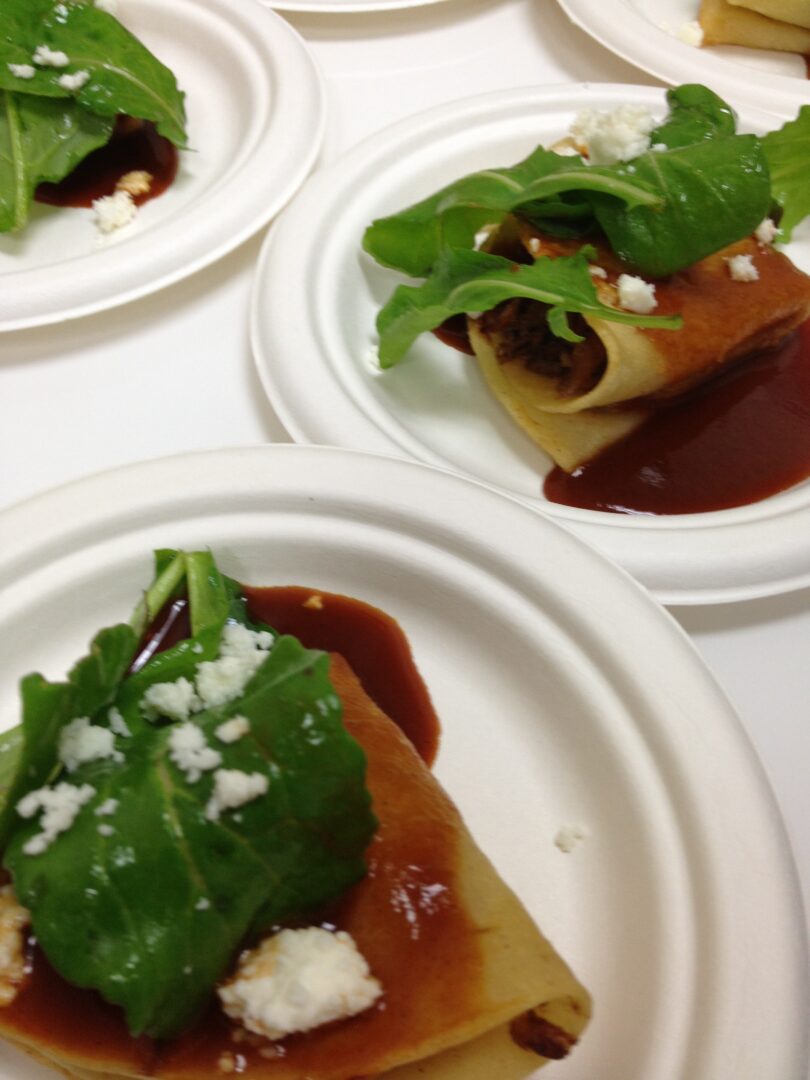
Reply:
x=255, y=124
x=316, y=296
x=634, y=30
x=328, y=7
x=567, y=696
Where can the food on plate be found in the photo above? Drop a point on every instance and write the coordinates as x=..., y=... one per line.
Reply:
x=223, y=856
x=756, y=25
x=790, y=11
x=612, y=276
x=79, y=89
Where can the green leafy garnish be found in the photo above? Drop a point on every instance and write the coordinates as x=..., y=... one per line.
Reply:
x=474, y=281
x=699, y=188
x=47, y=127
x=788, y=154
x=154, y=887
x=412, y=239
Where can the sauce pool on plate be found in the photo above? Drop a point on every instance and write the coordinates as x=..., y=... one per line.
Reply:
x=735, y=441
x=135, y=146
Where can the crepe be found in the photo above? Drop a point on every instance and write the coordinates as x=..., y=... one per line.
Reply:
x=789, y=11
x=457, y=955
x=576, y=400
x=724, y=23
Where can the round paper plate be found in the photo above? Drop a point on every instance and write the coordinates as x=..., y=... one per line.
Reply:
x=567, y=697
x=255, y=124
x=644, y=32
x=315, y=300
x=327, y=7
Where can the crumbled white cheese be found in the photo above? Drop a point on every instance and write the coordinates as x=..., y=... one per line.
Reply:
x=232, y=730
x=74, y=81
x=197, y=648
x=690, y=33
x=569, y=836
x=766, y=231
x=534, y=246
x=618, y=135
x=138, y=182
x=105, y=830
x=80, y=742
x=314, y=602
x=190, y=752
x=59, y=805
x=636, y=294
x=741, y=268
x=203, y=904
x=297, y=980
x=659, y=147
x=118, y=724
x=114, y=211
x=238, y=640
x=22, y=71
x=597, y=271
x=107, y=808
x=14, y=918
x=177, y=700
x=233, y=788
x=241, y=654
x=47, y=57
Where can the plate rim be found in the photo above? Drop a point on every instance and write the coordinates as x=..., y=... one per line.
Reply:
x=345, y=7
x=249, y=474
x=628, y=37
x=678, y=573
x=303, y=134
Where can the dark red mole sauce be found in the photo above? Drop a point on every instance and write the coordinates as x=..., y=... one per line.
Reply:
x=738, y=440
x=135, y=145
x=50, y=1011
x=741, y=438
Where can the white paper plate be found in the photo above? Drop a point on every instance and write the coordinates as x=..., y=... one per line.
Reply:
x=328, y=7
x=566, y=696
x=256, y=116
x=635, y=30
x=316, y=296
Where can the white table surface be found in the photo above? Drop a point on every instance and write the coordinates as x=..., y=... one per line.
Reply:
x=174, y=372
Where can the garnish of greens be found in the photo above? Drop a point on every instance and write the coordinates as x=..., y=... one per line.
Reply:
x=700, y=187
x=46, y=129
x=149, y=901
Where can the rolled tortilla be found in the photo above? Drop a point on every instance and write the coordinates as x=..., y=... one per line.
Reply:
x=725, y=23
x=576, y=400
x=458, y=956
x=796, y=12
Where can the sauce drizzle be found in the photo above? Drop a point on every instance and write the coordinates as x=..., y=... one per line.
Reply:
x=740, y=439
x=135, y=145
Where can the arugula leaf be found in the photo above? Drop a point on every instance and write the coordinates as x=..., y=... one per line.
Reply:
x=41, y=139
x=124, y=75
x=90, y=687
x=712, y=193
x=125, y=914
x=412, y=239
x=464, y=281
x=695, y=113
x=121, y=901
x=788, y=153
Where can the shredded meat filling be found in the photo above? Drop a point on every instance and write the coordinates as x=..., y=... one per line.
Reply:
x=520, y=332
x=531, y=1032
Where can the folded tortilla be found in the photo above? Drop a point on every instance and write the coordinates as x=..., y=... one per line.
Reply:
x=575, y=400
x=796, y=12
x=726, y=23
x=458, y=956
